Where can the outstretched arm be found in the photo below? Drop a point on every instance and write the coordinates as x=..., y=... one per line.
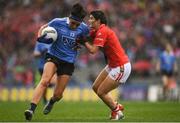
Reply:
x=87, y=42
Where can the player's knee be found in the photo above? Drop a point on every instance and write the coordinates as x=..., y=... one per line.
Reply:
x=44, y=82
x=94, y=88
x=100, y=93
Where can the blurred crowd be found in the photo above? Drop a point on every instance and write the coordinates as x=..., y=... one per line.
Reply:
x=143, y=27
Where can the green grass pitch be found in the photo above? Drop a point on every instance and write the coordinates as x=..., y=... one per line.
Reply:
x=93, y=112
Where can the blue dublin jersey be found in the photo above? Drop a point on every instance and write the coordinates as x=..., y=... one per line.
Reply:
x=167, y=61
x=42, y=48
x=62, y=48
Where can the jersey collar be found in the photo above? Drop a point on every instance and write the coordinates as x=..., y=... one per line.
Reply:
x=101, y=26
x=67, y=20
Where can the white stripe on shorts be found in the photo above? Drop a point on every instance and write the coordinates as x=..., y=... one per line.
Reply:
x=120, y=73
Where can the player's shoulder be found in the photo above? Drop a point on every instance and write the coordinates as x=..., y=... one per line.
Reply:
x=84, y=26
x=58, y=20
x=108, y=31
x=163, y=54
x=103, y=30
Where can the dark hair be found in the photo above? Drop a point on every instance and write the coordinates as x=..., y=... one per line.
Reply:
x=99, y=15
x=78, y=13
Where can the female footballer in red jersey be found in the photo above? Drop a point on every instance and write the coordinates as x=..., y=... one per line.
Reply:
x=118, y=68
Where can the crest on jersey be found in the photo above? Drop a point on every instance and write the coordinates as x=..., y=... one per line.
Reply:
x=72, y=34
x=99, y=34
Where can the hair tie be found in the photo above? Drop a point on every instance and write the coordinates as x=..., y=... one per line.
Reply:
x=76, y=18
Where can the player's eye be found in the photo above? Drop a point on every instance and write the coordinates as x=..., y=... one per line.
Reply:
x=75, y=23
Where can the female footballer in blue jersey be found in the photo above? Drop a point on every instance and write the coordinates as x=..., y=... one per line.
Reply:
x=60, y=57
x=168, y=67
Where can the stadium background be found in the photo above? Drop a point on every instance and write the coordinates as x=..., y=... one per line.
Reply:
x=143, y=26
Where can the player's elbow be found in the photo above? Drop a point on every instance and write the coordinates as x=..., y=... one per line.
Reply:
x=92, y=51
x=36, y=54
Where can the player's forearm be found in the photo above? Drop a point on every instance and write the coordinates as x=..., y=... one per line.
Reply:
x=91, y=48
x=40, y=30
x=175, y=67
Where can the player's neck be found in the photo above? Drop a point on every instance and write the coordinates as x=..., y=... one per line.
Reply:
x=97, y=27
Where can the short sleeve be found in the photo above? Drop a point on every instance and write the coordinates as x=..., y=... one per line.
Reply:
x=56, y=22
x=40, y=47
x=53, y=22
x=100, y=38
x=85, y=30
x=37, y=48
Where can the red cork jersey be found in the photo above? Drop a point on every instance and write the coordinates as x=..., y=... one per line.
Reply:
x=106, y=38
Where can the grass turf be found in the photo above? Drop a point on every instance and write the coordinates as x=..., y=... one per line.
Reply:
x=93, y=112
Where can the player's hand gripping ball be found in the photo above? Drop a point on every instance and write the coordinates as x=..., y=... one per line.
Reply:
x=49, y=32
